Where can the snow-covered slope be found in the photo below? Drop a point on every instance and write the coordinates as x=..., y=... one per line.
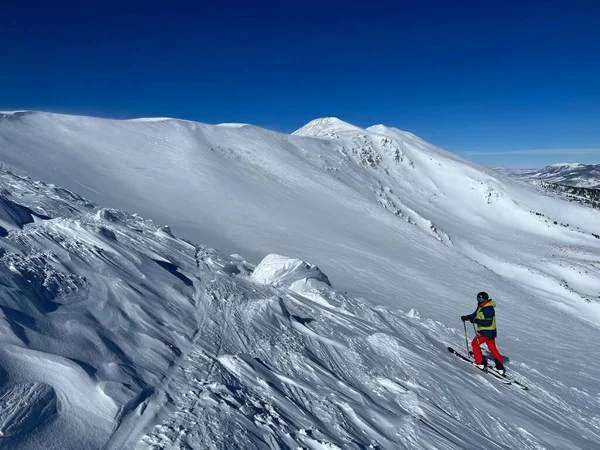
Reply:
x=118, y=334
x=390, y=219
x=569, y=174
x=303, y=196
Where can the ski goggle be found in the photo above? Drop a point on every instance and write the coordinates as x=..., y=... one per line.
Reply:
x=481, y=298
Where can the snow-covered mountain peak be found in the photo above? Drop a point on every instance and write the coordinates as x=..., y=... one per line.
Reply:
x=327, y=126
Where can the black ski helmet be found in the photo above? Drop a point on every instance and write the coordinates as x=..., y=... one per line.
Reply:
x=482, y=297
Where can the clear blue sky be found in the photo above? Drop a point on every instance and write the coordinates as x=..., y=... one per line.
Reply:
x=475, y=77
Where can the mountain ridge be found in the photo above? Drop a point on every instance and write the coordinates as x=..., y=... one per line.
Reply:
x=567, y=174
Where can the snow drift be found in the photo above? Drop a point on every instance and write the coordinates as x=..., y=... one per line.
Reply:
x=280, y=271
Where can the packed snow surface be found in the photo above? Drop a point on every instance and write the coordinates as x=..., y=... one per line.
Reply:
x=360, y=248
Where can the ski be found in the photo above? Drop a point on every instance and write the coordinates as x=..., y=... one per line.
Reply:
x=492, y=371
x=517, y=383
x=460, y=355
x=512, y=380
x=494, y=374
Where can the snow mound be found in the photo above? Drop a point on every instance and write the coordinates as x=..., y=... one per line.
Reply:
x=327, y=126
x=298, y=275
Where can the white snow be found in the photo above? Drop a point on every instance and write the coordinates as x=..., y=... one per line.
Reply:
x=151, y=119
x=125, y=334
x=232, y=125
x=327, y=127
x=569, y=174
x=281, y=271
x=567, y=165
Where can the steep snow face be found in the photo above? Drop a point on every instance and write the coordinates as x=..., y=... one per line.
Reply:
x=327, y=127
x=118, y=334
x=569, y=174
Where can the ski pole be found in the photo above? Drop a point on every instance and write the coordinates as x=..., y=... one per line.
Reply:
x=466, y=337
x=477, y=336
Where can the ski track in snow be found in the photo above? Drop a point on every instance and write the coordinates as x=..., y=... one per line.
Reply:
x=116, y=333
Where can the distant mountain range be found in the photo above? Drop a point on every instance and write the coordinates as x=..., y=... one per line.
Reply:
x=567, y=174
x=573, y=181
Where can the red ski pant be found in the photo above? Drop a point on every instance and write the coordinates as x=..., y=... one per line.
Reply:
x=491, y=343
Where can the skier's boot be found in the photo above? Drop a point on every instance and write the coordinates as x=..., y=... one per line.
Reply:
x=480, y=366
x=500, y=367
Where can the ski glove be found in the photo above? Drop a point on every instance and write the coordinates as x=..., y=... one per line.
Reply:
x=463, y=318
x=472, y=320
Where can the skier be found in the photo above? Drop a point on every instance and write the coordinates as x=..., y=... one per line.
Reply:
x=485, y=318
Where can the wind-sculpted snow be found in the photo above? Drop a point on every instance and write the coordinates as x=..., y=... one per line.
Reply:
x=24, y=407
x=124, y=335
x=274, y=369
